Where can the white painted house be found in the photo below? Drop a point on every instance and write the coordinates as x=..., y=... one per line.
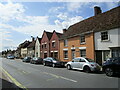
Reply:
x=107, y=36
x=37, y=47
x=107, y=44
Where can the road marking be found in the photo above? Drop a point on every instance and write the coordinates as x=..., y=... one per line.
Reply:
x=56, y=76
x=14, y=80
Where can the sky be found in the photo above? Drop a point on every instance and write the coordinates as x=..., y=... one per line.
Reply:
x=21, y=20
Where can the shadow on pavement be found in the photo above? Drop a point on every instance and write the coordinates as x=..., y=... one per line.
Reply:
x=6, y=85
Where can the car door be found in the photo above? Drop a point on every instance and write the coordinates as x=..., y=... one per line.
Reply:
x=81, y=62
x=75, y=63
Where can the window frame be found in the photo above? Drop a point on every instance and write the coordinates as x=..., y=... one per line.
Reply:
x=65, y=55
x=101, y=35
x=81, y=39
x=65, y=42
x=81, y=54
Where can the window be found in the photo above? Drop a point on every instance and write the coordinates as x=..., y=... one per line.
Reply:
x=56, y=54
x=83, y=53
x=45, y=45
x=42, y=46
x=65, y=54
x=65, y=42
x=53, y=44
x=104, y=35
x=82, y=39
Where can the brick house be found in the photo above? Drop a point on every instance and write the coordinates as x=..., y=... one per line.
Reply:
x=79, y=39
x=54, y=44
x=45, y=44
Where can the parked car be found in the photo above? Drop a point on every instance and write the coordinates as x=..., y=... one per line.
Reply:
x=10, y=57
x=85, y=64
x=49, y=61
x=26, y=59
x=111, y=66
x=36, y=60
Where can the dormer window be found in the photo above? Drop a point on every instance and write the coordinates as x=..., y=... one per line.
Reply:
x=104, y=36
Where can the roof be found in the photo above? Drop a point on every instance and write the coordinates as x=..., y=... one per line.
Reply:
x=39, y=39
x=24, y=44
x=49, y=34
x=59, y=34
x=32, y=44
x=103, y=21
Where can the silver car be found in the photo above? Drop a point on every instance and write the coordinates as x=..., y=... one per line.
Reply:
x=85, y=64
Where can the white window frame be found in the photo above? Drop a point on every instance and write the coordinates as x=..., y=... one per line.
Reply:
x=102, y=36
x=81, y=41
x=65, y=42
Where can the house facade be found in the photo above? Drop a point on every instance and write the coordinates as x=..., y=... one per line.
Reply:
x=77, y=46
x=54, y=44
x=45, y=44
x=31, y=49
x=107, y=44
x=37, y=47
x=24, y=50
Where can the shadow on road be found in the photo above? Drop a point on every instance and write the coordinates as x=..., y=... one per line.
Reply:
x=6, y=85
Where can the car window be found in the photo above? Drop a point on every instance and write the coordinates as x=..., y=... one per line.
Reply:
x=89, y=60
x=76, y=59
x=82, y=60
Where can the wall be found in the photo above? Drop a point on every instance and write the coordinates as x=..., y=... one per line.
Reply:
x=113, y=42
x=75, y=41
x=37, y=48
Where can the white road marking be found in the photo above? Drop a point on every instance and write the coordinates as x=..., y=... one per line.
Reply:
x=56, y=76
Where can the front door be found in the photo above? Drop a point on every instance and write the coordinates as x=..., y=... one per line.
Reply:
x=99, y=57
x=73, y=54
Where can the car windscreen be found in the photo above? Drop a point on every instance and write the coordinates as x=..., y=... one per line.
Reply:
x=89, y=60
x=55, y=59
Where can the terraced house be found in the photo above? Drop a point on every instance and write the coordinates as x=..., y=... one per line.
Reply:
x=45, y=44
x=54, y=44
x=88, y=37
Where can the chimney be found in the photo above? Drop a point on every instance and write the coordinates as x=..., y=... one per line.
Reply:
x=64, y=30
x=32, y=38
x=97, y=10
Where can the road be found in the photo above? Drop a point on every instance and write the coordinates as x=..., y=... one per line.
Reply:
x=39, y=76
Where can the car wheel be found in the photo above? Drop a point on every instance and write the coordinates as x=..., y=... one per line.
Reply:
x=87, y=69
x=69, y=67
x=109, y=72
x=53, y=65
x=44, y=64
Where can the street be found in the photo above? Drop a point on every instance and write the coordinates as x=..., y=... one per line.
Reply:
x=39, y=76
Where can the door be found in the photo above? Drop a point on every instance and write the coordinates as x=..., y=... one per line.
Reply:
x=73, y=54
x=99, y=57
x=75, y=63
x=82, y=62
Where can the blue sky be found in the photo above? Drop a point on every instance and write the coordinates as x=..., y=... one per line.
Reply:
x=21, y=20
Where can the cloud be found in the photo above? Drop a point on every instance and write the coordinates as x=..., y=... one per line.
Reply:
x=69, y=21
x=10, y=11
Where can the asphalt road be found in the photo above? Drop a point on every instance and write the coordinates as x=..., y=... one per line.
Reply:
x=39, y=76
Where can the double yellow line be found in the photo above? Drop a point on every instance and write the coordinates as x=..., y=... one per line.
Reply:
x=14, y=80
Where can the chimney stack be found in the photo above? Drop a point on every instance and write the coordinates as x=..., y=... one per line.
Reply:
x=32, y=38
x=97, y=10
x=64, y=30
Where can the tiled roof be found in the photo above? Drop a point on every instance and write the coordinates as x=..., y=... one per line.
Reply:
x=32, y=44
x=24, y=44
x=103, y=21
x=49, y=35
x=59, y=34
